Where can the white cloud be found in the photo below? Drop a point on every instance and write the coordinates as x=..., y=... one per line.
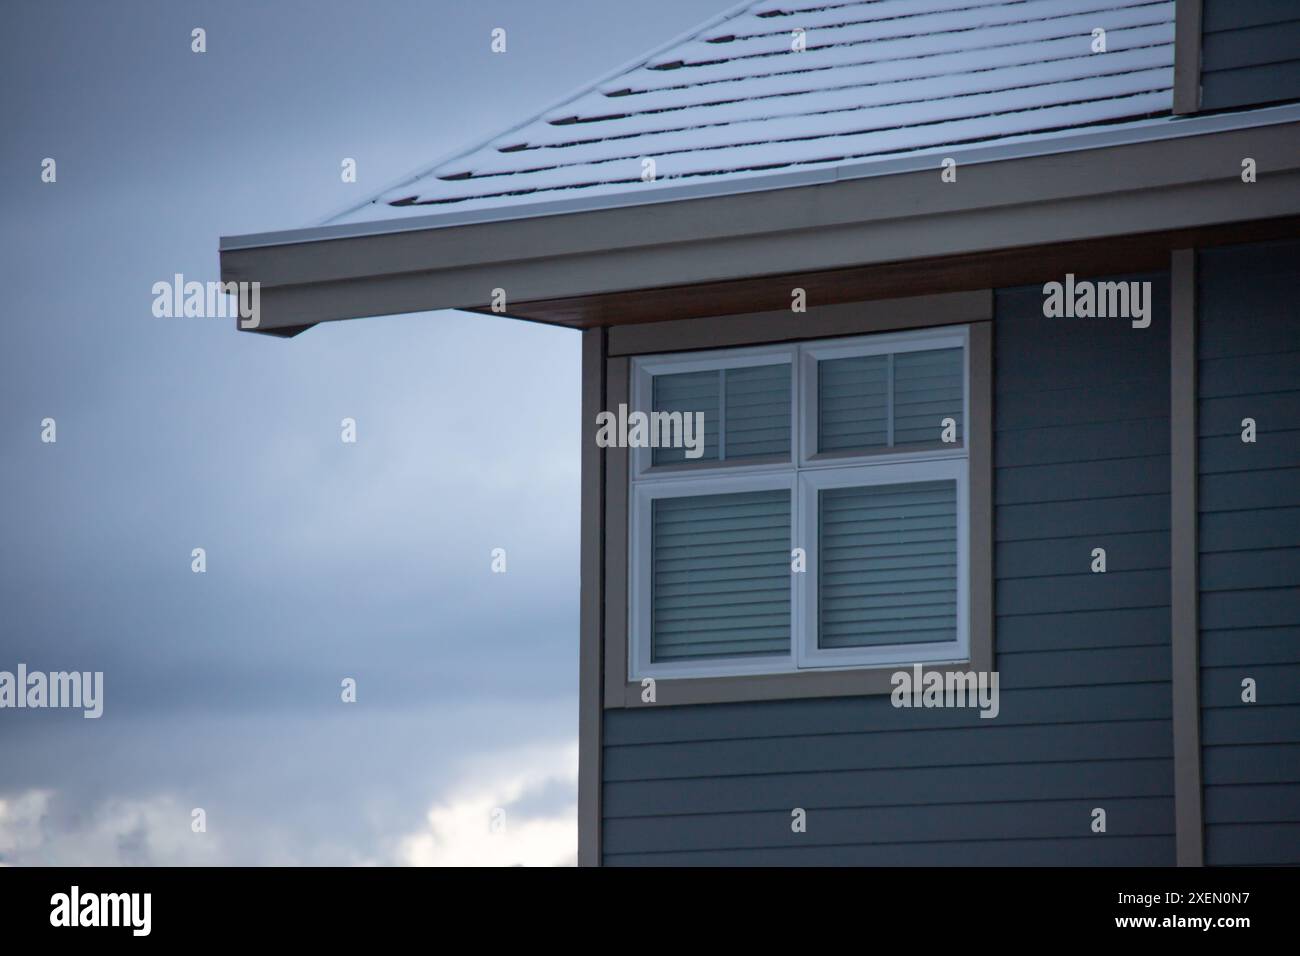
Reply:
x=20, y=823
x=535, y=787
x=458, y=830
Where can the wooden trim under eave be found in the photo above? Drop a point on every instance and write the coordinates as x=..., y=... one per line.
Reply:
x=819, y=322
x=996, y=269
x=1183, y=580
x=1187, y=56
x=591, y=602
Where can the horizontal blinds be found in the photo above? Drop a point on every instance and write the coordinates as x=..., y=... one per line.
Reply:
x=853, y=402
x=887, y=564
x=689, y=392
x=927, y=389
x=757, y=422
x=720, y=576
x=888, y=401
x=746, y=411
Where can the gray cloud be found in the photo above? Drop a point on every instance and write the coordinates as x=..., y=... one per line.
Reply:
x=325, y=560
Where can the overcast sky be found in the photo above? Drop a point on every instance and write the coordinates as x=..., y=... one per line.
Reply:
x=325, y=560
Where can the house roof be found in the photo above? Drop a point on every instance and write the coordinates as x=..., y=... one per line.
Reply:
x=876, y=80
x=817, y=169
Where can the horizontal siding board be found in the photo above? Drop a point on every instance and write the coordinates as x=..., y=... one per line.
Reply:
x=1271, y=607
x=1251, y=724
x=1260, y=527
x=1247, y=646
x=1275, y=42
x=1121, y=515
x=1253, y=844
x=1093, y=780
x=917, y=748
x=1082, y=480
x=1078, y=851
x=1082, y=592
x=1274, y=684
x=1264, y=763
x=1258, y=568
x=1273, y=412
x=1274, y=488
x=850, y=715
x=1271, y=449
x=1107, y=665
x=1030, y=373
x=1219, y=15
x=1088, y=404
x=1248, y=374
x=1140, y=816
x=1268, y=83
x=1124, y=552
x=1084, y=629
x=1278, y=803
x=1251, y=329
x=1091, y=442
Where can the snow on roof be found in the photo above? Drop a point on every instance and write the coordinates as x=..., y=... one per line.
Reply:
x=876, y=79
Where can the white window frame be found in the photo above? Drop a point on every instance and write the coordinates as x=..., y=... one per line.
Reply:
x=862, y=476
x=640, y=598
x=804, y=473
x=890, y=343
x=645, y=369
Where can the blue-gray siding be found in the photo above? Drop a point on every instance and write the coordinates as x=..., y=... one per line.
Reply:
x=1082, y=461
x=1250, y=52
x=1249, y=367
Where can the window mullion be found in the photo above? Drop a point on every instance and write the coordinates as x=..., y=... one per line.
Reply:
x=798, y=630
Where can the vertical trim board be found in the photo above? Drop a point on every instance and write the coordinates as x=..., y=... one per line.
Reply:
x=591, y=602
x=1187, y=56
x=1184, y=597
x=980, y=442
x=617, y=463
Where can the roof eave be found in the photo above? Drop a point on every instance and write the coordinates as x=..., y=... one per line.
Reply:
x=1173, y=172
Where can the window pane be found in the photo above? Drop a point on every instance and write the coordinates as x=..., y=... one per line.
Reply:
x=758, y=411
x=888, y=564
x=689, y=392
x=853, y=402
x=927, y=389
x=720, y=584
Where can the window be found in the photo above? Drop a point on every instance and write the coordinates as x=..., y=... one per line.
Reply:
x=846, y=458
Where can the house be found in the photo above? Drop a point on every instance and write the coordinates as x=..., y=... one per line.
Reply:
x=988, y=311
